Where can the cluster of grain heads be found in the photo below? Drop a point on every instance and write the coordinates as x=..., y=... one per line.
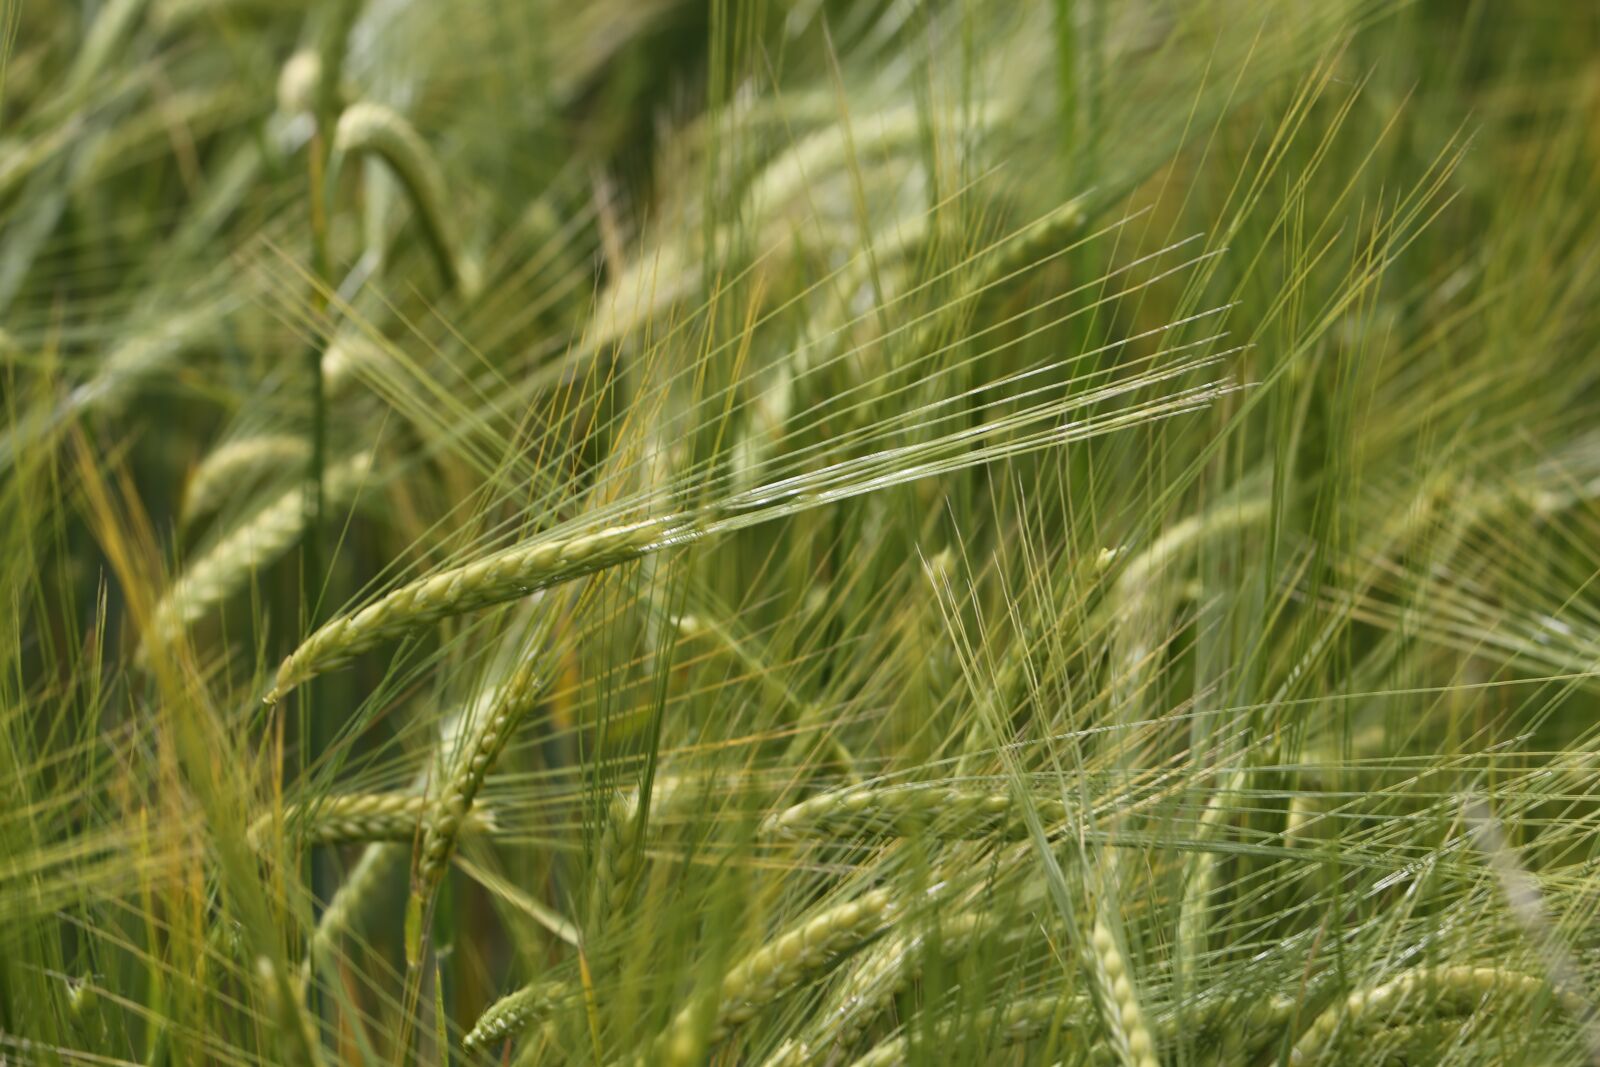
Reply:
x=555, y=558
x=948, y=811
x=513, y=1014
x=1425, y=993
x=497, y=579
x=368, y=127
x=771, y=971
x=359, y=817
x=259, y=540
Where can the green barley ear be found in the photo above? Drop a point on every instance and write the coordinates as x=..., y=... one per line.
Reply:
x=510, y=575
x=360, y=817
x=378, y=863
x=257, y=542
x=617, y=855
x=298, y=82
x=284, y=1010
x=1019, y=1021
x=1425, y=993
x=368, y=127
x=948, y=811
x=773, y=970
x=1130, y=1036
x=1138, y=605
x=514, y=1013
x=878, y=975
x=244, y=461
x=451, y=811
x=157, y=337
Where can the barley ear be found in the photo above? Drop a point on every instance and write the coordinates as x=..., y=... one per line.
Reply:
x=505, y=576
x=259, y=541
x=1118, y=998
x=949, y=811
x=237, y=463
x=1426, y=993
x=873, y=979
x=513, y=1013
x=298, y=82
x=377, y=862
x=616, y=858
x=772, y=970
x=1021, y=1020
x=369, y=127
x=360, y=817
x=452, y=812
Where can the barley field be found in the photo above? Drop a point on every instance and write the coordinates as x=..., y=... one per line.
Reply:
x=789, y=532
